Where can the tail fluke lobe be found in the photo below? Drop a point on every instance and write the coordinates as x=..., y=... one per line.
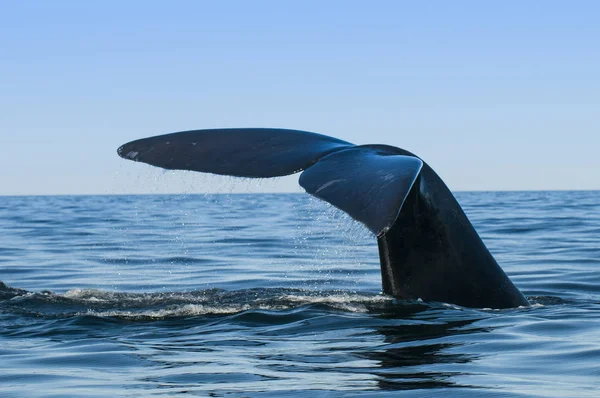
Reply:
x=368, y=183
x=247, y=152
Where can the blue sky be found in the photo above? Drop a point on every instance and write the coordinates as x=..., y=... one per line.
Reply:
x=494, y=95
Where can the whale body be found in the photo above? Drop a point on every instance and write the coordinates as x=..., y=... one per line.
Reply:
x=428, y=248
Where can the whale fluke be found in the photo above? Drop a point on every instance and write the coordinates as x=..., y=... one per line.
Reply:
x=369, y=183
x=253, y=153
x=428, y=248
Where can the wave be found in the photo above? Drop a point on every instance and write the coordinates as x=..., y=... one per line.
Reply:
x=160, y=305
x=211, y=302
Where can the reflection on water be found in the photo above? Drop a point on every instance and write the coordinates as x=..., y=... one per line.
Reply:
x=411, y=349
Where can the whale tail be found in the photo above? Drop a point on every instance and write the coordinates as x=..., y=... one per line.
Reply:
x=427, y=247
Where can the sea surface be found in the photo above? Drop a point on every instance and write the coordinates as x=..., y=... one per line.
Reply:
x=278, y=295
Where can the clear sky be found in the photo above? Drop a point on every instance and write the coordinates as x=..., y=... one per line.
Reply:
x=494, y=95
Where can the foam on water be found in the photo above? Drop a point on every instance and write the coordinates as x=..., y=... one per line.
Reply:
x=161, y=305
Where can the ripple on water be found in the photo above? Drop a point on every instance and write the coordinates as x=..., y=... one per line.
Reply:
x=271, y=295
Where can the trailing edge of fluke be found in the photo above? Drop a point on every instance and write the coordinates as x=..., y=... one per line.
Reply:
x=428, y=249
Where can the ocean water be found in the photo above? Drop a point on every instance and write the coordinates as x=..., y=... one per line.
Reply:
x=279, y=295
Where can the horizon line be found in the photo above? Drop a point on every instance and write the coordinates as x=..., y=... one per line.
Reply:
x=274, y=193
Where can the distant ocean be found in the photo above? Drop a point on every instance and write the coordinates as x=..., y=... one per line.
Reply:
x=278, y=295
